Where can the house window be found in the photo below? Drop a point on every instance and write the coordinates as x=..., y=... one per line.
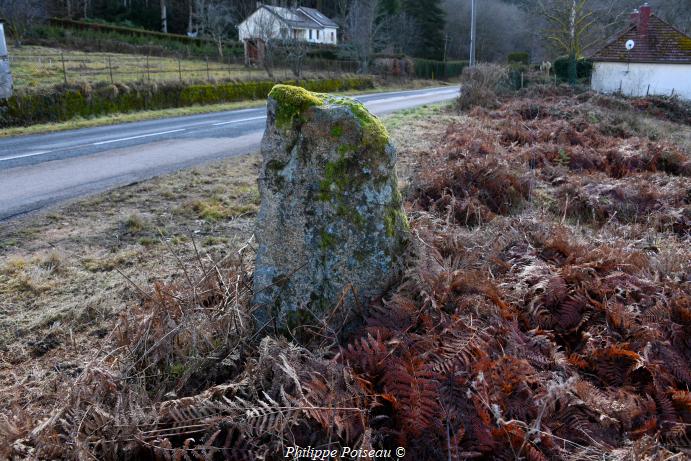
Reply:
x=310, y=34
x=332, y=37
x=317, y=35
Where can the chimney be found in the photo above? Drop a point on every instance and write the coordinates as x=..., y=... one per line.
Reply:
x=644, y=19
x=259, y=5
x=633, y=17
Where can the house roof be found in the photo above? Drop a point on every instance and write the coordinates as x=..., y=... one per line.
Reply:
x=304, y=18
x=662, y=44
x=318, y=16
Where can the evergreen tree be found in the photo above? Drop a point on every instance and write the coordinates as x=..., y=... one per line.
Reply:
x=430, y=18
x=390, y=7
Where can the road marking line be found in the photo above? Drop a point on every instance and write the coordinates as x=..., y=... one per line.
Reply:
x=401, y=98
x=238, y=121
x=137, y=137
x=33, y=154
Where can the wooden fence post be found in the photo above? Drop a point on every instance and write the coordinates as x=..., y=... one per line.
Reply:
x=208, y=75
x=110, y=69
x=148, y=73
x=179, y=69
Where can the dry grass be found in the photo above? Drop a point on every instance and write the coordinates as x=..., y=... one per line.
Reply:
x=39, y=66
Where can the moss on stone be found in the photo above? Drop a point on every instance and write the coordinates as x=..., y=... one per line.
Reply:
x=327, y=241
x=374, y=132
x=336, y=131
x=395, y=219
x=351, y=214
x=292, y=101
x=345, y=148
x=336, y=178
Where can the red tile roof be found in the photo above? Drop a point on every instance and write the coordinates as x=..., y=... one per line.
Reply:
x=662, y=44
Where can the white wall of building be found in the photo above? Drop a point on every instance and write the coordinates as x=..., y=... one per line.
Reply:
x=261, y=24
x=330, y=36
x=634, y=78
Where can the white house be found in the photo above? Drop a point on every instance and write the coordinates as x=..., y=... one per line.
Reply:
x=279, y=23
x=649, y=57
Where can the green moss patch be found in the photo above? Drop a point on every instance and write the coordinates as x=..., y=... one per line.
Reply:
x=292, y=101
x=374, y=131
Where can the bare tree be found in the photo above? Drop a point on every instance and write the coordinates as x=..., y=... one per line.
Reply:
x=569, y=24
x=403, y=33
x=365, y=28
x=215, y=20
x=267, y=33
x=20, y=16
x=569, y=28
x=295, y=52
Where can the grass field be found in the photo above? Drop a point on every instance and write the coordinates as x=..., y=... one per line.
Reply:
x=37, y=66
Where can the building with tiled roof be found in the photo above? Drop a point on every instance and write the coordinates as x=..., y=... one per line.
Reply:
x=279, y=23
x=649, y=57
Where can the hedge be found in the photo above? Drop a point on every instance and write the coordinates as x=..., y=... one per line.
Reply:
x=519, y=57
x=66, y=102
x=584, y=68
x=438, y=70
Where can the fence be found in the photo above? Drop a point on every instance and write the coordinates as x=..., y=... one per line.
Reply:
x=35, y=70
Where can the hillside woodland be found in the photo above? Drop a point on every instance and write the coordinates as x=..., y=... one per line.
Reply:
x=432, y=29
x=545, y=314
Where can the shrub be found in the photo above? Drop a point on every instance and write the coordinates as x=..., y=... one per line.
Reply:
x=393, y=66
x=519, y=57
x=438, y=70
x=584, y=68
x=480, y=85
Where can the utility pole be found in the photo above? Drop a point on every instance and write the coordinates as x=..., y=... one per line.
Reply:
x=473, y=31
x=5, y=74
x=164, y=17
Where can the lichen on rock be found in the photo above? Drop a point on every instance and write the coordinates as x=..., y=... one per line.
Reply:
x=331, y=229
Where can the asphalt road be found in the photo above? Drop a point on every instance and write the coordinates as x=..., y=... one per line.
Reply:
x=41, y=170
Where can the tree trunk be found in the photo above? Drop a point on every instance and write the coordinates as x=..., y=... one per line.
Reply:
x=573, y=69
x=573, y=65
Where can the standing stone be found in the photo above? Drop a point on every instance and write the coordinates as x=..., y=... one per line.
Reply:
x=331, y=225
